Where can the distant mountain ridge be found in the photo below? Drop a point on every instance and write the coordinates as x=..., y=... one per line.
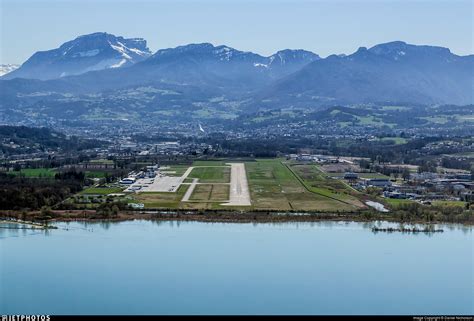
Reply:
x=83, y=71
x=203, y=51
x=222, y=66
x=394, y=71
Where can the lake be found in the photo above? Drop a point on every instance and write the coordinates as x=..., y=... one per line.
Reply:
x=146, y=267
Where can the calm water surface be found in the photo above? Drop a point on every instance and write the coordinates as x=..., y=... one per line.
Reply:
x=143, y=267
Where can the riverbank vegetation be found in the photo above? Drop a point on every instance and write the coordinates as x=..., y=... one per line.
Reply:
x=116, y=212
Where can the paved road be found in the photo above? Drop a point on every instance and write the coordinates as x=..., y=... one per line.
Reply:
x=187, y=172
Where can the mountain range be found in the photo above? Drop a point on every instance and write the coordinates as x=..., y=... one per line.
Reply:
x=395, y=72
x=104, y=65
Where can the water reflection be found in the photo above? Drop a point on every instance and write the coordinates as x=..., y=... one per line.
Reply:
x=106, y=224
x=8, y=229
x=12, y=229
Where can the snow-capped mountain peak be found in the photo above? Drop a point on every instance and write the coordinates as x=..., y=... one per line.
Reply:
x=7, y=68
x=286, y=56
x=86, y=53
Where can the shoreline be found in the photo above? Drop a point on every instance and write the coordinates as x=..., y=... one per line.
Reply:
x=211, y=217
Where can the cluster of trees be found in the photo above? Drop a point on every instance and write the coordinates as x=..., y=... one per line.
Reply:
x=18, y=193
x=378, y=151
x=396, y=172
x=113, y=176
x=111, y=209
x=423, y=166
x=415, y=211
x=50, y=162
x=427, y=166
x=71, y=175
x=33, y=140
x=459, y=163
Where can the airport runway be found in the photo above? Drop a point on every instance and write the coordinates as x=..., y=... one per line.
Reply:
x=239, y=189
x=190, y=190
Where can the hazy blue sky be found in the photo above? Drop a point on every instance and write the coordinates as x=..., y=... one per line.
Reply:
x=262, y=26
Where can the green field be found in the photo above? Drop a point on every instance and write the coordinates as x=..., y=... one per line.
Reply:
x=397, y=108
x=369, y=120
x=449, y=203
x=36, y=172
x=210, y=193
x=465, y=118
x=274, y=186
x=395, y=202
x=50, y=172
x=396, y=140
x=177, y=169
x=466, y=154
x=320, y=183
x=95, y=174
x=102, y=190
x=440, y=119
x=212, y=174
x=162, y=200
x=101, y=161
